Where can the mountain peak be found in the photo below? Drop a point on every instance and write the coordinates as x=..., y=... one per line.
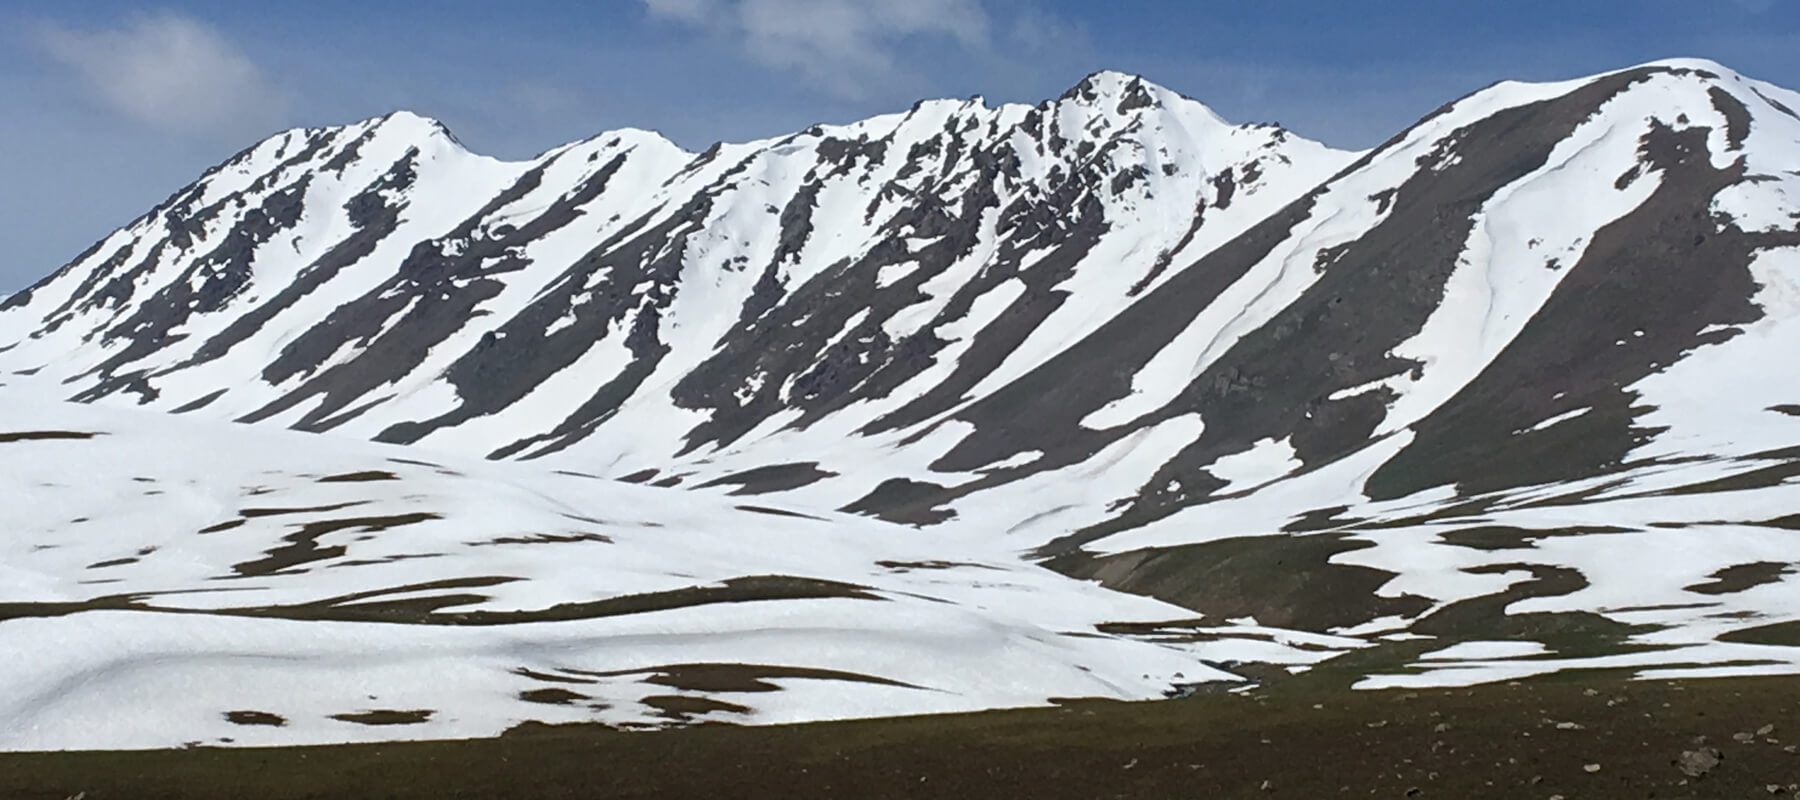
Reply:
x=1691, y=63
x=1110, y=85
x=1122, y=93
x=627, y=137
x=408, y=123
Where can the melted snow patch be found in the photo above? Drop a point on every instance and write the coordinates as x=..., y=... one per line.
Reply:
x=1265, y=461
x=1559, y=418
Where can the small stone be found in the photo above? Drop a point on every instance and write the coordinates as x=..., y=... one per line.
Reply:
x=1695, y=763
x=1773, y=788
x=1743, y=737
x=1765, y=730
x=1442, y=727
x=1591, y=768
x=1568, y=726
x=1590, y=692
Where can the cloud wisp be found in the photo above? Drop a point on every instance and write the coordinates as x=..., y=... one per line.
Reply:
x=841, y=47
x=171, y=72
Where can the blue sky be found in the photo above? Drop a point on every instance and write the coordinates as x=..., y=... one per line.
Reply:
x=110, y=106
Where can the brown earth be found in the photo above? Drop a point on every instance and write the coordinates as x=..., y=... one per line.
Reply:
x=1577, y=736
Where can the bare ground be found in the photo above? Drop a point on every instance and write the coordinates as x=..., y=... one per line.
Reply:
x=1577, y=736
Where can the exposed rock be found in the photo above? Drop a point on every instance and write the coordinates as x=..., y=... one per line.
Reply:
x=1697, y=763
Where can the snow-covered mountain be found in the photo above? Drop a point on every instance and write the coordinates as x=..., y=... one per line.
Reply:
x=1504, y=395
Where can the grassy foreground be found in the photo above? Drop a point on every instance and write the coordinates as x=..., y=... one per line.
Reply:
x=1591, y=736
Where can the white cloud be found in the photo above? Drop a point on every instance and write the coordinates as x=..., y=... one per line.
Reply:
x=685, y=10
x=170, y=72
x=840, y=46
x=1038, y=31
x=543, y=99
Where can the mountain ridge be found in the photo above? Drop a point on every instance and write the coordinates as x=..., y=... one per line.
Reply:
x=485, y=245
x=1505, y=387
x=941, y=106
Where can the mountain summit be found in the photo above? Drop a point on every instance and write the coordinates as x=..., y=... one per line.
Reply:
x=1508, y=385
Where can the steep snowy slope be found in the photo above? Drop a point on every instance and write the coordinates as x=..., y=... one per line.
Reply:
x=1419, y=321
x=1021, y=297
x=378, y=280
